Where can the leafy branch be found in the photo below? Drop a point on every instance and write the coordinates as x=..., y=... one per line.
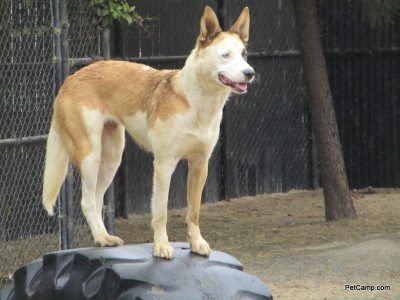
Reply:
x=119, y=10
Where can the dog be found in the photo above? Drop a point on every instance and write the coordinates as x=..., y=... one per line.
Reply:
x=175, y=114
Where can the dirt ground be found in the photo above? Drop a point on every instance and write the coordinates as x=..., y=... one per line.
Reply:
x=284, y=240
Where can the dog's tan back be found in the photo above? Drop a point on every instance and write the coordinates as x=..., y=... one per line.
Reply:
x=117, y=90
x=175, y=114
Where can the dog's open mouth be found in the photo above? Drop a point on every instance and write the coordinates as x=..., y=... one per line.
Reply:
x=239, y=87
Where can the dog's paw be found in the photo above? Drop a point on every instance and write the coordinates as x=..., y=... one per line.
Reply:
x=200, y=246
x=163, y=250
x=109, y=241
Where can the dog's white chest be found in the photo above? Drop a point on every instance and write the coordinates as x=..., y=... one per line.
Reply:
x=203, y=136
x=197, y=140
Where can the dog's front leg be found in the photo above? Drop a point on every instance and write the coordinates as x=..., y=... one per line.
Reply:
x=163, y=170
x=198, y=168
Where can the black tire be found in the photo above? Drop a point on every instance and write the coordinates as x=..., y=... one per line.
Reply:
x=131, y=272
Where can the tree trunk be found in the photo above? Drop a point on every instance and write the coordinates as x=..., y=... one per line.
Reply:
x=338, y=203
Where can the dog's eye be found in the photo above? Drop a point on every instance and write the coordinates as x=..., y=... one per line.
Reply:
x=244, y=54
x=225, y=55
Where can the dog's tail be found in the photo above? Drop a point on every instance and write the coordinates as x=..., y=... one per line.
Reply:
x=55, y=170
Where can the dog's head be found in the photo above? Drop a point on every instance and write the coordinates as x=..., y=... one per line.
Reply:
x=223, y=55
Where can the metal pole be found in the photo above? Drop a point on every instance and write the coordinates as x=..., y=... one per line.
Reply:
x=109, y=204
x=62, y=219
x=69, y=193
x=64, y=39
x=123, y=198
x=224, y=152
x=57, y=84
x=105, y=43
x=122, y=192
x=68, y=184
x=57, y=45
x=109, y=209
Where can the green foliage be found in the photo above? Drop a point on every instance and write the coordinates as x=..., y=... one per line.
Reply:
x=119, y=10
x=380, y=12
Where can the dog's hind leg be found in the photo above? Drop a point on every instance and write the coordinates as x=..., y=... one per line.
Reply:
x=163, y=169
x=198, y=168
x=112, y=144
x=89, y=167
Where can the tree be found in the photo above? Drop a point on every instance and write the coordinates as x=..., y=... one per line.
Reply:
x=338, y=202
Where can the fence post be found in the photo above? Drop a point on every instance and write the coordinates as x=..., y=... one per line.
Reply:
x=123, y=199
x=109, y=205
x=109, y=209
x=58, y=81
x=66, y=197
x=224, y=150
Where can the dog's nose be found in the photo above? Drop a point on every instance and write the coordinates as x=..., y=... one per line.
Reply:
x=249, y=73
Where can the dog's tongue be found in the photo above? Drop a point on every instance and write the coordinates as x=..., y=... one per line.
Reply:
x=241, y=86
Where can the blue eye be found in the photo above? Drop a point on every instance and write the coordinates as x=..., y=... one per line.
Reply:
x=225, y=55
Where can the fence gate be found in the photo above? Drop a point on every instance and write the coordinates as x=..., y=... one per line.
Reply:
x=39, y=46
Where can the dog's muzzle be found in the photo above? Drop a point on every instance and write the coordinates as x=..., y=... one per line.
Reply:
x=238, y=87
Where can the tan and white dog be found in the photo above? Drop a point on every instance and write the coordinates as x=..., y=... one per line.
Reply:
x=175, y=114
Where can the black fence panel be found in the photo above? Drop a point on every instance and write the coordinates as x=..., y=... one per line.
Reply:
x=268, y=132
x=268, y=142
x=368, y=113
x=345, y=27
x=173, y=28
x=272, y=26
x=363, y=61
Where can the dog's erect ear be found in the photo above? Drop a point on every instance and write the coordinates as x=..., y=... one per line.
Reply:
x=209, y=26
x=242, y=25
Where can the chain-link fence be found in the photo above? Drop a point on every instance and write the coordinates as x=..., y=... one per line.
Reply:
x=26, y=93
x=29, y=68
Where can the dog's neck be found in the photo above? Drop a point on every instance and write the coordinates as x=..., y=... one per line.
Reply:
x=206, y=97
